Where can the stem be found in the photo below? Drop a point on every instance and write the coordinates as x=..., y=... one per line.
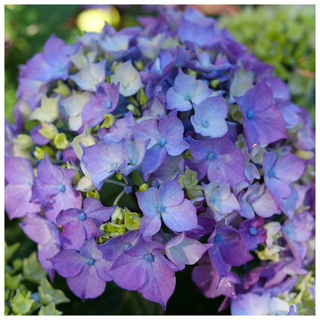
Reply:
x=116, y=182
x=125, y=179
x=118, y=198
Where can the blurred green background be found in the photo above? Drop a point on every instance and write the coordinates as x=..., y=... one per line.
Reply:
x=280, y=35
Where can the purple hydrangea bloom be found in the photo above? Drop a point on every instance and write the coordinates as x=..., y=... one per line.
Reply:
x=18, y=190
x=160, y=68
x=205, y=277
x=82, y=224
x=251, y=304
x=195, y=27
x=220, y=199
x=186, y=91
x=252, y=232
x=296, y=232
x=262, y=121
x=168, y=203
x=229, y=249
x=182, y=250
x=52, y=187
x=166, y=136
x=257, y=199
x=114, y=247
x=53, y=63
x=223, y=161
x=46, y=235
x=295, y=201
x=85, y=270
x=136, y=153
x=278, y=173
x=143, y=268
x=104, y=101
x=121, y=129
x=102, y=160
x=209, y=117
x=37, y=137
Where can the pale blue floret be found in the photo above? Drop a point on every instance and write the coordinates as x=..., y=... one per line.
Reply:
x=217, y=238
x=107, y=105
x=250, y=114
x=149, y=257
x=30, y=183
x=90, y=262
x=162, y=142
x=271, y=173
x=114, y=165
x=205, y=123
x=253, y=231
x=82, y=216
x=61, y=188
x=188, y=96
x=211, y=156
x=161, y=208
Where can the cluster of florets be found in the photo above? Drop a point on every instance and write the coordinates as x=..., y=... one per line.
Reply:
x=203, y=137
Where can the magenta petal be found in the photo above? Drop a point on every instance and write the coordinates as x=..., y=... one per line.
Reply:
x=87, y=284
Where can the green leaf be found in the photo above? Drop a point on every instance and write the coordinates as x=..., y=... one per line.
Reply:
x=20, y=304
x=17, y=264
x=12, y=282
x=10, y=250
x=32, y=269
x=49, y=310
x=47, y=293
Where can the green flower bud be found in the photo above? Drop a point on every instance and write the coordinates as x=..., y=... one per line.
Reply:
x=135, y=111
x=60, y=141
x=48, y=111
x=214, y=83
x=93, y=194
x=119, y=176
x=48, y=130
x=62, y=89
x=109, y=120
x=116, y=229
x=139, y=65
x=195, y=192
x=118, y=215
x=143, y=187
x=23, y=142
x=131, y=219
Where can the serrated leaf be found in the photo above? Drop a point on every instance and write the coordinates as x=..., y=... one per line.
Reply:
x=32, y=269
x=49, y=310
x=20, y=304
x=12, y=282
x=48, y=294
x=10, y=250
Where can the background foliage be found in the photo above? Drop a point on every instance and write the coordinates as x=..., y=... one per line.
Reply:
x=280, y=35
